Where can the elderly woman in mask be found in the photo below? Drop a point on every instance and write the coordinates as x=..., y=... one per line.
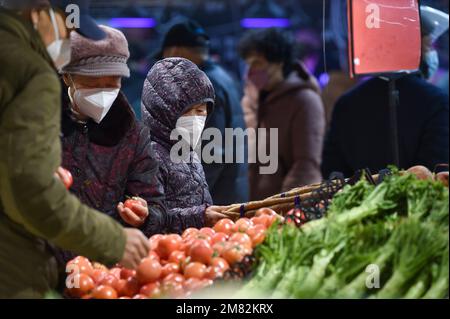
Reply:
x=176, y=100
x=105, y=148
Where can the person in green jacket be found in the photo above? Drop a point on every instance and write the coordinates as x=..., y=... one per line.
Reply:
x=36, y=211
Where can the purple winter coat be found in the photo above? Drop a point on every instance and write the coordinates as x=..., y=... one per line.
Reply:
x=110, y=161
x=172, y=87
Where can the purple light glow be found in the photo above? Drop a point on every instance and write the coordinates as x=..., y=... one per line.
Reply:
x=255, y=23
x=137, y=23
x=324, y=79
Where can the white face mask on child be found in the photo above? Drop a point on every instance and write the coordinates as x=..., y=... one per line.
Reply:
x=191, y=127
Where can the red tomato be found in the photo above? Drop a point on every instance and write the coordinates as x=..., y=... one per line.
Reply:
x=173, y=289
x=84, y=285
x=242, y=225
x=241, y=238
x=207, y=231
x=201, y=251
x=258, y=238
x=120, y=286
x=195, y=270
x=201, y=241
x=131, y=287
x=178, y=278
x=104, y=292
x=186, y=245
x=233, y=253
x=80, y=265
x=139, y=296
x=257, y=233
x=192, y=284
x=167, y=245
x=153, y=255
x=224, y=226
x=262, y=220
x=177, y=257
x=203, y=236
x=189, y=232
x=98, y=275
x=110, y=280
x=176, y=237
x=124, y=297
x=151, y=290
x=219, y=248
x=265, y=211
x=214, y=272
x=66, y=177
x=149, y=270
x=219, y=238
x=170, y=268
x=116, y=272
x=127, y=273
x=154, y=240
x=220, y=263
x=129, y=203
x=184, y=263
x=254, y=229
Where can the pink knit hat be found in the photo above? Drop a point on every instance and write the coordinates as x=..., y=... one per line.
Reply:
x=107, y=57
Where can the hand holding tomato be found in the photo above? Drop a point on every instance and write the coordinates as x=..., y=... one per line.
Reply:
x=134, y=211
x=213, y=214
x=65, y=176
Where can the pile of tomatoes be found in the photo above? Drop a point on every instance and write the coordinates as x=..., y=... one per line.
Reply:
x=176, y=266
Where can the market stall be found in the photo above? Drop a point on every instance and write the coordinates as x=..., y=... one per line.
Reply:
x=382, y=236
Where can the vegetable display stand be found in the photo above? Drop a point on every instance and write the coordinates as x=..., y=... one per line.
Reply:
x=388, y=240
x=306, y=196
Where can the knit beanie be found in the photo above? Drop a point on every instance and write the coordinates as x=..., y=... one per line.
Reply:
x=107, y=57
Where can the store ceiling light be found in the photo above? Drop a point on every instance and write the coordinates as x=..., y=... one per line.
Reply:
x=254, y=23
x=136, y=23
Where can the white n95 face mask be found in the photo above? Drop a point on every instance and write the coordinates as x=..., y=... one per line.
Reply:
x=94, y=103
x=194, y=126
x=59, y=50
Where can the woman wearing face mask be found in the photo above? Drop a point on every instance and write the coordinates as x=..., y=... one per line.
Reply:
x=281, y=94
x=176, y=100
x=105, y=148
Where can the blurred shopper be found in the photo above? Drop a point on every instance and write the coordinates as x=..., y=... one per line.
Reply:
x=359, y=135
x=36, y=210
x=281, y=94
x=228, y=182
x=178, y=96
x=107, y=150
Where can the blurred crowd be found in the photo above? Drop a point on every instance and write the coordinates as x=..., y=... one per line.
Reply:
x=65, y=102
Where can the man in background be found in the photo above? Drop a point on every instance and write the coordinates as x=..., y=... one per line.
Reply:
x=359, y=134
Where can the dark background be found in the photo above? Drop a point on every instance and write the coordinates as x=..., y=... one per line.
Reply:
x=222, y=21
